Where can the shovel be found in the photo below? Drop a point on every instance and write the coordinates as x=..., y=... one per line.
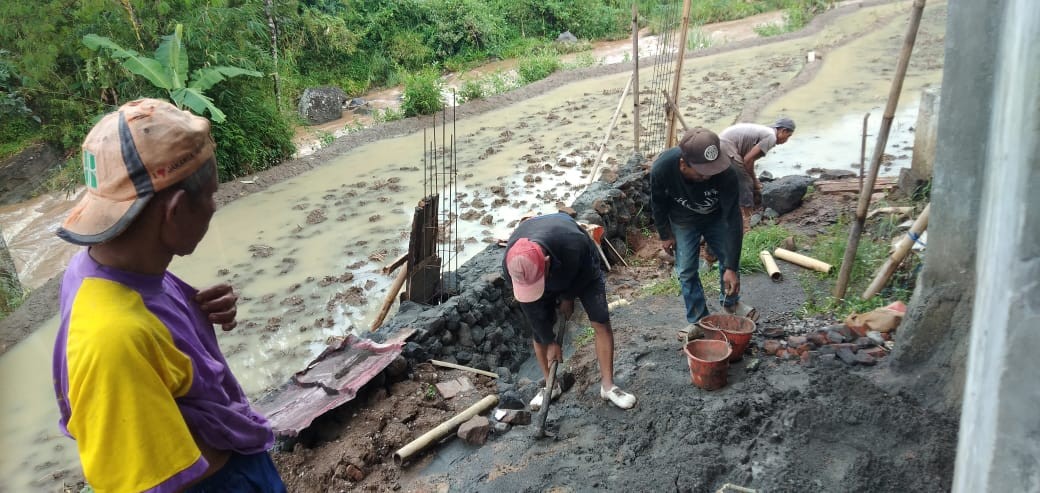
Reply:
x=550, y=382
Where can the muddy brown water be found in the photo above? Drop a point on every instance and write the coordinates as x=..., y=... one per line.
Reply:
x=305, y=254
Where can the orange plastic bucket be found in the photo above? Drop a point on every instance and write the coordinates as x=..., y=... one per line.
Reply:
x=737, y=329
x=709, y=362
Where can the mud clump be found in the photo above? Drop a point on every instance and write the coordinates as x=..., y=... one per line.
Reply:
x=316, y=216
x=261, y=251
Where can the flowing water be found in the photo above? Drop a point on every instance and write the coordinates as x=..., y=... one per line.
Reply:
x=306, y=254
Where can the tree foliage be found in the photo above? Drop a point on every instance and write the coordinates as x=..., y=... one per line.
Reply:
x=169, y=70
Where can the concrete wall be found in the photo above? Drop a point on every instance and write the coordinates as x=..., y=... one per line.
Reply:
x=999, y=442
x=929, y=361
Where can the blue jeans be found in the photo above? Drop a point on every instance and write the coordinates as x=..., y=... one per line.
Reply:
x=687, y=260
x=243, y=474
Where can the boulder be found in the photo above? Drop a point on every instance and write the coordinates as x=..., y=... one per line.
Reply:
x=322, y=104
x=785, y=194
x=566, y=37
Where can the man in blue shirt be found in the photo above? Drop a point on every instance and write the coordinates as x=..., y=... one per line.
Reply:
x=694, y=193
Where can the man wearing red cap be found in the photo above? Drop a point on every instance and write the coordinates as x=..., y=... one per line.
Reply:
x=694, y=194
x=141, y=383
x=550, y=261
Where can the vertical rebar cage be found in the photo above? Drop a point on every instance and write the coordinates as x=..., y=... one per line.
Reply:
x=434, y=243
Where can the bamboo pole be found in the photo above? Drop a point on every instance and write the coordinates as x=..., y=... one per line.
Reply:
x=675, y=110
x=389, y=301
x=610, y=128
x=612, y=249
x=879, y=150
x=900, y=252
x=678, y=68
x=395, y=264
x=463, y=368
x=770, y=265
x=802, y=260
x=426, y=439
x=863, y=150
x=636, y=129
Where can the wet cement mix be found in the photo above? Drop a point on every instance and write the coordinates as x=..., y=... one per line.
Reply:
x=778, y=425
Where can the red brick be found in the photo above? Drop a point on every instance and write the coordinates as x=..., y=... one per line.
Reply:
x=795, y=341
x=819, y=338
x=803, y=348
x=771, y=346
x=808, y=359
x=781, y=352
x=354, y=473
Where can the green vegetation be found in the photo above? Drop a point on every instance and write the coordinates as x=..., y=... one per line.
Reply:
x=429, y=392
x=758, y=239
x=422, y=94
x=664, y=287
x=63, y=64
x=586, y=336
x=169, y=70
x=11, y=296
x=872, y=252
x=537, y=67
x=797, y=13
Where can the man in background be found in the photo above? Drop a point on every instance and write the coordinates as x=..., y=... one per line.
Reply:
x=751, y=141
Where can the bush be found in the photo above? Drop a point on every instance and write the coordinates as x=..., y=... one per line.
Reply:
x=422, y=94
x=537, y=67
x=470, y=90
x=254, y=137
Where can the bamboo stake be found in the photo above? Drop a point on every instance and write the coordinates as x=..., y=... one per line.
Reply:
x=879, y=150
x=463, y=368
x=770, y=265
x=610, y=128
x=863, y=150
x=900, y=252
x=618, y=255
x=678, y=68
x=675, y=110
x=636, y=130
x=802, y=260
x=396, y=263
x=389, y=301
x=443, y=429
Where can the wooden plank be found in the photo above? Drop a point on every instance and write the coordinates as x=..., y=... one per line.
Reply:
x=834, y=186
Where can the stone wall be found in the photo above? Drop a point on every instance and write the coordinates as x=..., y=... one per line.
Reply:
x=483, y=326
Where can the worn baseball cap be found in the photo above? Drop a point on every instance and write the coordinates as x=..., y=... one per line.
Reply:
x=784, y=122
x=700, y=149
x=525, y=261
x=145, y=146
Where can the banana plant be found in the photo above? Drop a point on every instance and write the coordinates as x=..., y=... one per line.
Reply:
x=169, y=70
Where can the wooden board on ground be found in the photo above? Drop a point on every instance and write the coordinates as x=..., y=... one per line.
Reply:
x=852, y=185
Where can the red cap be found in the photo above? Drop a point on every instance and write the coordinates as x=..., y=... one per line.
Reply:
x=525, y=261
